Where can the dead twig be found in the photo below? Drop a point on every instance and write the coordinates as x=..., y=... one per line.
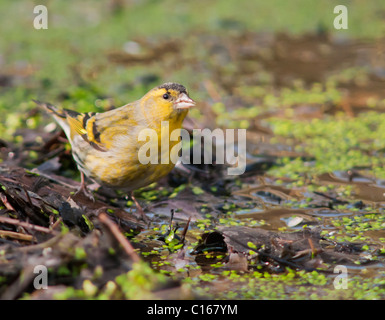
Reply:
x=26, y=225
x=73, y=186
x=103, y=218
x=46, y=244
x=56, y=223
x=16, y=235
x=6, y=203
x=20, y=284
x=185, y=230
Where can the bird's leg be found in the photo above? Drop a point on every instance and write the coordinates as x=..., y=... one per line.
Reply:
x=138, y=207
x=83, y=188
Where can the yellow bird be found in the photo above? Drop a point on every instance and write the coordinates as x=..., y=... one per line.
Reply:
x=105, y=145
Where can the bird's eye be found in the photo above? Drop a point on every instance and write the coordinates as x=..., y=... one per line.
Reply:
x=166, y=96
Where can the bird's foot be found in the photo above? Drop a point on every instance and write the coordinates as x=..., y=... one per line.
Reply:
x=83, y=190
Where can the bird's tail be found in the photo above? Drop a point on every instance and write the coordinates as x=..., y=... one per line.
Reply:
x=51, y=108
x=60, y=115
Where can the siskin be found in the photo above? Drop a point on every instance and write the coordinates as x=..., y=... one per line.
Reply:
x=105, y=145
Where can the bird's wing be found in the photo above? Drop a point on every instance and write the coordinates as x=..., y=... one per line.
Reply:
x=83, y=124
x=97, y=129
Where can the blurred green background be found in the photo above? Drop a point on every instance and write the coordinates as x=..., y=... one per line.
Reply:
x=254, y=56
x=71, y=59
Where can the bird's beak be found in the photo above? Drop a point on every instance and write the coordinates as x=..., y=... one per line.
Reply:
x=184, y=102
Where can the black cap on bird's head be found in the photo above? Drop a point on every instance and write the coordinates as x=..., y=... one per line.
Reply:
x=183, y=101
x=173, y=86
